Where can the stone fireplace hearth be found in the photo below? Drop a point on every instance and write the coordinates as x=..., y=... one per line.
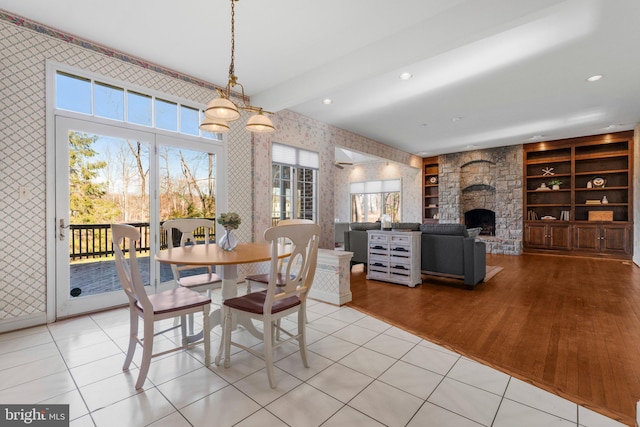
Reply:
x=483, y=188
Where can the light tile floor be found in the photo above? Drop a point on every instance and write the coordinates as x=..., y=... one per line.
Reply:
x=363, y=372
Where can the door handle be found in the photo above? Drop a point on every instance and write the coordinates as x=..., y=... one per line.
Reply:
x=62, y=227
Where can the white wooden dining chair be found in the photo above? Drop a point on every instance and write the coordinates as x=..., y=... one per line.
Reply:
x=262, y=280
x=178, y=302
x=183, y=274
x=274, y=303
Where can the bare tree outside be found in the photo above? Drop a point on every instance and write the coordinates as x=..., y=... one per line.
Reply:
x=109, y=182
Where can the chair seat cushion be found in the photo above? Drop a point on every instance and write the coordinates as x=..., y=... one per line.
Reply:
x=175, y=299
x=199, y=280
x=254, y=303
x=264, y=278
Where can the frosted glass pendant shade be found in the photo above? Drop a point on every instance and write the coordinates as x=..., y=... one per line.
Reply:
x=260, y=123
x=222, y=109
x=210, y=125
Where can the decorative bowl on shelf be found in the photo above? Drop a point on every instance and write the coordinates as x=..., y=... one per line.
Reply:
x=598, y=182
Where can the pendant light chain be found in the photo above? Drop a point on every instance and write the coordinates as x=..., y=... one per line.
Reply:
x=222, y=110
x=232, y=76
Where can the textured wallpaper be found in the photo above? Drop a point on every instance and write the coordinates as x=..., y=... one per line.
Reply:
x=23, y=284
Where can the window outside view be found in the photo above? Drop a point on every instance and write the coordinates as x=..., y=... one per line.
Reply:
x=370, y=200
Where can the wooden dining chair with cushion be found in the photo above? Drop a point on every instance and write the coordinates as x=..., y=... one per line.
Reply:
x=274, y=303
x=178, y=302
x=262, y=280
x=195, y=277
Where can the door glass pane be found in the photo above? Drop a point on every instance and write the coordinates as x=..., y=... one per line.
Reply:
x=187, y=184
x=108, y=182
x=306, y=193
x=187, y=190
x=108, y=101
x=281, y=193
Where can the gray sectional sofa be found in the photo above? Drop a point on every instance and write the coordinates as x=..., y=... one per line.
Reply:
x=446, y=249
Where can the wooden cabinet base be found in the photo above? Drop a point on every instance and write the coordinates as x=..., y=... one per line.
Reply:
x=590, y=239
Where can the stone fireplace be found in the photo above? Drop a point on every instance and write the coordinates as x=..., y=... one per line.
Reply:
x=483, y=188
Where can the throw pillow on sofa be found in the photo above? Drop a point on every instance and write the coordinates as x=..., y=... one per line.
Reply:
x=474, y=232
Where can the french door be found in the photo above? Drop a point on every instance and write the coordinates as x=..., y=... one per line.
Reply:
x=111, y=174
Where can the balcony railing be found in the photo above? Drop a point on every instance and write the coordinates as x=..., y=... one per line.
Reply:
x=90, y=241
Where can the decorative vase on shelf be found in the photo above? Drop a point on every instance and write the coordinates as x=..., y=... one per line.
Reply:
x=228, y=241
x=605, y=200
x=556, y=186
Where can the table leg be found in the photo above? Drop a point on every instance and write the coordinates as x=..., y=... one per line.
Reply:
x=229, y=274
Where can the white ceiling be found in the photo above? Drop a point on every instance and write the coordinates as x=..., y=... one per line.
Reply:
x=486, y=73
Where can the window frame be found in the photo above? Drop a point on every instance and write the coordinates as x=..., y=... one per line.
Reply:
x=300, y=162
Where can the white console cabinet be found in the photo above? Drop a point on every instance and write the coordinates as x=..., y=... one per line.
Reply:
x=394, y=256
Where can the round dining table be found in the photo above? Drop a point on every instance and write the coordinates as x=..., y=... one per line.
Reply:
x=226, y=263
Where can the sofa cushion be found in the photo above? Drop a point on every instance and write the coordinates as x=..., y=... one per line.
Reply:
x=413, y=226
x=445, y=229
x=364, y=226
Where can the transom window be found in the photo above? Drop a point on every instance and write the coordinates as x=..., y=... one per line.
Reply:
x=89, y=96
x=372, y=199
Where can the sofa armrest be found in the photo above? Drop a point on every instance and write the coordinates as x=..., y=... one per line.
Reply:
x=475, y=261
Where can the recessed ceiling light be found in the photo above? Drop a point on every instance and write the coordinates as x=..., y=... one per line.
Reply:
x=534, y=137
x=327, y=101
x=456, y=119
x=405, y=76
x=595, y=78
x=471, y=146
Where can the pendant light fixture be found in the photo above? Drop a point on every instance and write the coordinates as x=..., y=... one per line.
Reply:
x=222, y=110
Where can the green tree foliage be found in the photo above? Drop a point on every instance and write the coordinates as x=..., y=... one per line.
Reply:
x=86, y=197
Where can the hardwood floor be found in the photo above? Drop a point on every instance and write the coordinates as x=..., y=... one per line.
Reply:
x=568, y=325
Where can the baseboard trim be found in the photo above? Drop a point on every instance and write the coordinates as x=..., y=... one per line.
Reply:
x=37, y=319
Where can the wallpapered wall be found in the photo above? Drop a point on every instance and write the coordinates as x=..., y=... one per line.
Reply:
x=410, y=177
x=23, y=254
x=23, y=264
